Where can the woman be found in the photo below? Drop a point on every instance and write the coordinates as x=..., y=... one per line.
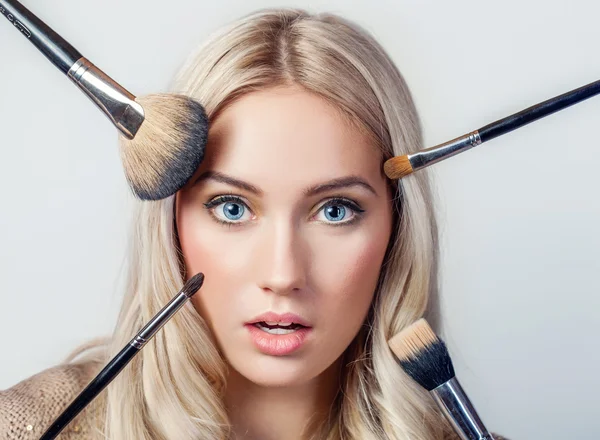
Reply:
x=312, y=258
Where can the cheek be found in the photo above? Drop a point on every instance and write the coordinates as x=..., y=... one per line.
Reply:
x=213, y=250
x=348, y=271
x=210, y=249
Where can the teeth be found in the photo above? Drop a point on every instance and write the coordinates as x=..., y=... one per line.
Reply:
x=280, y=324
x=276, y=331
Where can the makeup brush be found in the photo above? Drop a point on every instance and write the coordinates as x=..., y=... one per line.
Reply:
x=425, y=358
x=163, y=136
x=114, y=367
x=400, y=166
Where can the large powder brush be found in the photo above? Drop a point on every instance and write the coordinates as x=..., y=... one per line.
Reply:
x=163, y=136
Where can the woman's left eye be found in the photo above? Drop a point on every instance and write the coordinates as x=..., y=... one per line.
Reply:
x=339, y=211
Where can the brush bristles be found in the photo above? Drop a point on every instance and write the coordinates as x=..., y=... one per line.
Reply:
x=397, y=167
x=168, y=147
x=422, y=355
x=193, y=284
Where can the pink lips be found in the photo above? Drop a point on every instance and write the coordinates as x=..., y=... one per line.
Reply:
x=274, y=317
x=278, y=345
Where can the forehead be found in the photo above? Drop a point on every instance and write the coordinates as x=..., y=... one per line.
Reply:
x=287, y=136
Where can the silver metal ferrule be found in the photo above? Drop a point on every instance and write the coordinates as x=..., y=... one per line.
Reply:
x=429, y=156
x=458, y=409
x=160, y=319
x=114, y=101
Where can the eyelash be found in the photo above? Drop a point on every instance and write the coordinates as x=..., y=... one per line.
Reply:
x=220, y=200
x=347, y=203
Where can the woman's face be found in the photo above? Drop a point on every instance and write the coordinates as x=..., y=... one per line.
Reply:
x=288, y=217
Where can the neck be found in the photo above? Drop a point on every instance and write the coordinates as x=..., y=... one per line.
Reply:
x=257, y=412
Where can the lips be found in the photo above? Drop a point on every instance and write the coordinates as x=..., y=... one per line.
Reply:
x=278, y=335
x=273, y=319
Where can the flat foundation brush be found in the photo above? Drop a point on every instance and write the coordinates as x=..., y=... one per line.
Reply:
x=401, y=166
x=114, y=367
x=425, y=358
x=163, y=136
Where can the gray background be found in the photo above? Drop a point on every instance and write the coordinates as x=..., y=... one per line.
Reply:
x=519, y=215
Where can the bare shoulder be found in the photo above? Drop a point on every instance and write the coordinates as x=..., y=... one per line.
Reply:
x=30, y=406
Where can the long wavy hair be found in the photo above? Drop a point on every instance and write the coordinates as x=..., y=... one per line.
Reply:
x=174, y=388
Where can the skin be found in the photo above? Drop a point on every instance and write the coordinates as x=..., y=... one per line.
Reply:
x=291, y=250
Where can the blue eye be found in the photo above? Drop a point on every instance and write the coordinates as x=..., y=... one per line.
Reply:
x=334, y=213
x=339, y=211
x=228, y=209
x=233, y=211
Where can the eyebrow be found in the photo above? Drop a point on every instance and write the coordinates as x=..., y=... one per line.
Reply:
x=342, y=182
x=339, y=183
x=224, y=178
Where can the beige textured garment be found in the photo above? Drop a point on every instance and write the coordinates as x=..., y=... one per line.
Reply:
x=29, y=407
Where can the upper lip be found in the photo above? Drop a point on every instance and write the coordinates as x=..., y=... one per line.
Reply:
x=279, y=318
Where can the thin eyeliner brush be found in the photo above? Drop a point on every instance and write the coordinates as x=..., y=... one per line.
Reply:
x=401, y=166
x=114, y=367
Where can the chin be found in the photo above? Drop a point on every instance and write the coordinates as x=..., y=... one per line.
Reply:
x=276, y=371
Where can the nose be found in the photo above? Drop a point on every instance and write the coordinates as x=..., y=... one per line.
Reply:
x=281, y=259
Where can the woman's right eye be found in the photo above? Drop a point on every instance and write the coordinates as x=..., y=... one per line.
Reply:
x=229, y=209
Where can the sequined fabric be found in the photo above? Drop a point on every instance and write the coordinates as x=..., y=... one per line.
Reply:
x=29, y=407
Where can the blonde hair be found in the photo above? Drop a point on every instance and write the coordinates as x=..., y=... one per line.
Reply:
x=174, y=388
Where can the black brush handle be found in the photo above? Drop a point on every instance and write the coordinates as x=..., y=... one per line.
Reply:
x=538, y=111
x=117, y=363
x=91, y=391
x=52, y=45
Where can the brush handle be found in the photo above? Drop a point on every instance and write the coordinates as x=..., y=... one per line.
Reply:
x=432, y=155
x=460, y=412
x=52, y=45
x=94, y=388
x=114, y=367
x=538, y=111
x=116, y=102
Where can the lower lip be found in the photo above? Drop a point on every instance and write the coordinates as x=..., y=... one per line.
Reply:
x=277, y=345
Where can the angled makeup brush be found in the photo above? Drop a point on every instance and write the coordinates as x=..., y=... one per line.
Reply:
x=425, y=358
x=163, y=136
x=401, y=166
x=114, y=367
